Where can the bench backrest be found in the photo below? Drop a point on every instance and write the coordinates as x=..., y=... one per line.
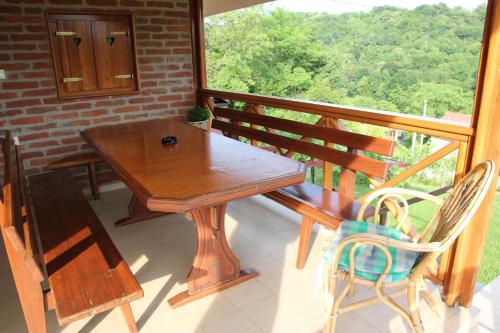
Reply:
x=349, y=160
x=18, y=240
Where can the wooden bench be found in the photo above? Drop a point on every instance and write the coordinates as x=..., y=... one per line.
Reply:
x=61, y=256
x=85, y=159
x=316, y=204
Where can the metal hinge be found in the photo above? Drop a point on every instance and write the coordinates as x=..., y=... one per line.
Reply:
x=119, y=33
x=124, y=76
x=65, y=33
x=72, y=79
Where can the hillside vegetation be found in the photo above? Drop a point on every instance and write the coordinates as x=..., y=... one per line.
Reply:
x=388, y=59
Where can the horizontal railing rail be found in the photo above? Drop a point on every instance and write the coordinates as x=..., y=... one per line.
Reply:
x=411, y=123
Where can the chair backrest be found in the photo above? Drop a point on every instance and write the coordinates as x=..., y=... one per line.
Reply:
x=231, y=123
x=17, y=236
x=461, y=204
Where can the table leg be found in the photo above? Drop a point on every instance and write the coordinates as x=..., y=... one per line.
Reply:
x=137, y=212
x=215, y=267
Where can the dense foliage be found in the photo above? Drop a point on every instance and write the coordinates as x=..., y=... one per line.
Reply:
x=388, y=59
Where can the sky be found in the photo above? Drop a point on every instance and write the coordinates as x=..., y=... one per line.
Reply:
x=342, y=6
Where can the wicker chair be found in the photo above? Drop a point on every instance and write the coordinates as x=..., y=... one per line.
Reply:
x=452, y=216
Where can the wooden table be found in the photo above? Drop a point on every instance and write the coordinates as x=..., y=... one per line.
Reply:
x=198, y=175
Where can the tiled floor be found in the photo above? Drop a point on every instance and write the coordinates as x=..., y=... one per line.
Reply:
x=264, y=237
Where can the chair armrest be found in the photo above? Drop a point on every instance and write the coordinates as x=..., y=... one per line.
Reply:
x=388, y=192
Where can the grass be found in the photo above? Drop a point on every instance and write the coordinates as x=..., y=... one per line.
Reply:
x=422, y=212
x=490, y=266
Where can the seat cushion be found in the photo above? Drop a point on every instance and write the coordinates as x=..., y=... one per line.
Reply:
x=370, y=261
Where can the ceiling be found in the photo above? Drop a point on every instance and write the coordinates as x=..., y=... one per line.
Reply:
x=213, y=7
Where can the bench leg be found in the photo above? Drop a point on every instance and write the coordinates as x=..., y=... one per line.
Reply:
x=93, y=181
x=129, y=317
x=305, y=239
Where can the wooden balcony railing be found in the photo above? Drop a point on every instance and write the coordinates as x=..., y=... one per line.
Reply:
x=332, y=116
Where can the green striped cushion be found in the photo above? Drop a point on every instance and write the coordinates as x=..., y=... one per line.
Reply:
x=369, y=260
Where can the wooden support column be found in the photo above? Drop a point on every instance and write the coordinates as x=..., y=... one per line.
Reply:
x=198, y=48
x=461, y=278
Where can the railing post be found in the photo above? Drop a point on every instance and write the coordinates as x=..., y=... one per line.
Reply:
x=461, y=279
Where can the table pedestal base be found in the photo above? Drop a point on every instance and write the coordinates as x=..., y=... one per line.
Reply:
x=137, y=213
x=185, y=297
x=215, y=267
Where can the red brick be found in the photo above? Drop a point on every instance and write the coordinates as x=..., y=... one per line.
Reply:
x=42, y=161
x=30, y=37
x=169, y=98
x=81, y=122
x=12, y=113
x=30, y=75
x=182, y=89
x=65, y=115
x=23, y=102
x=147, y=12
x=181, y=103
x=181, y=74
x=103, y=120
x=34, y=136
x=155, y=106
x=47, y=83
x=123, y=109
x=30, y=155
x=181, y=51
x=150, y=76
x=24, y=47
x=163, y=4
x=149, y=28
x=77, y=106
x=178, y=28
x=19, y=85
x=147, y=84
x=171, y=13
x=41, y=65
x=75, y=139
x=62, y=133
x=65, y=2
x=135, y=116
x=132, y=3
x=34, y=10
x=43, y=127
x=158, y=51
x=8, y=95
x=30, y=56
x=40, y=109
x=61, y=150
x=139, y=100
x=102, y=2
x=26, y=120
x=35, y=28
x=109, y=103
x=46, y=143
x=10, y=10
x=39, y=92
x=95, y=113
x=174, y=43
x=164, y=21
x=165, y=36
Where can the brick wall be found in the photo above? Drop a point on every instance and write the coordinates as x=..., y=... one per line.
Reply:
x=49, y=128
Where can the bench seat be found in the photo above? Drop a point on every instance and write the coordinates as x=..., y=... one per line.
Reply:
x=86, y=273
x=325, y=206
x=316, y=205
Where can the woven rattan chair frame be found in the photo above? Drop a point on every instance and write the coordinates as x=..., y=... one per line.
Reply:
x=452, y=216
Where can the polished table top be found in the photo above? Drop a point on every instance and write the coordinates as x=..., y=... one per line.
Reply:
x=202, y=169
